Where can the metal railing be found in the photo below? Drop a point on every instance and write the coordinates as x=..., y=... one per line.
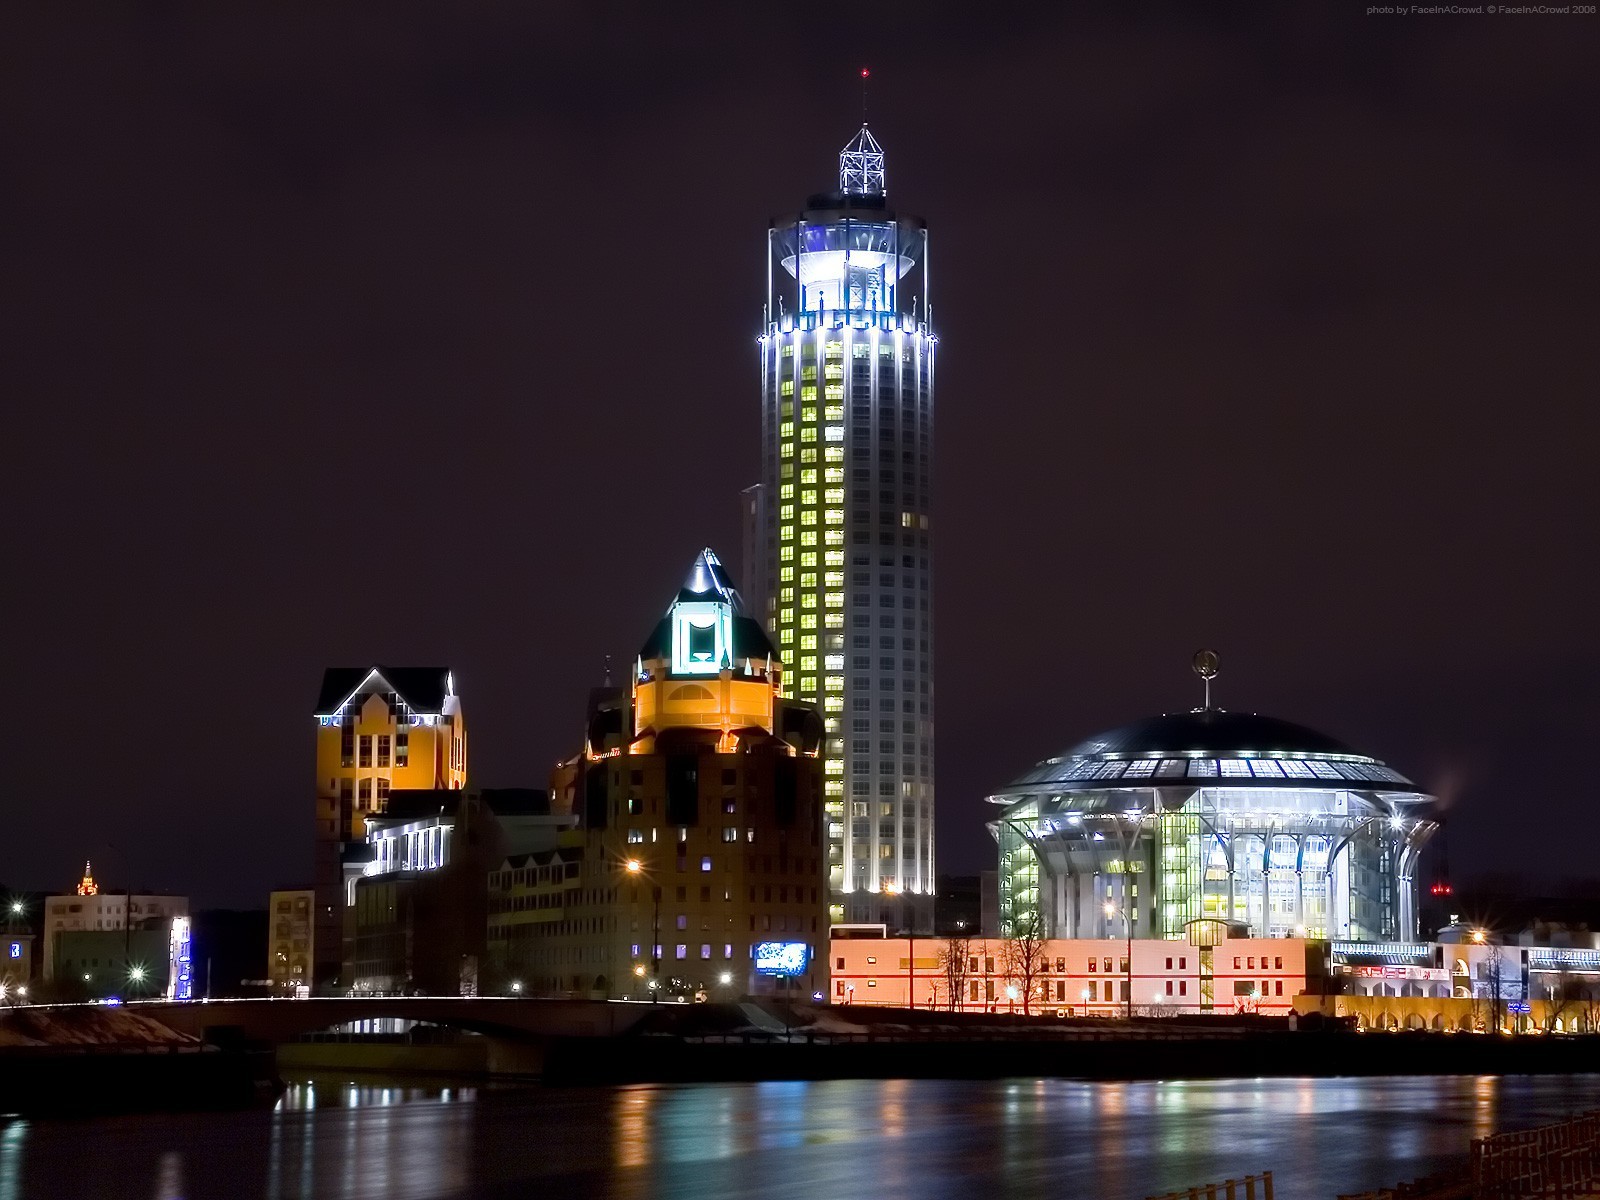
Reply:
x=1552, y=1162
x=1251, y=1187
x=1558, y=1162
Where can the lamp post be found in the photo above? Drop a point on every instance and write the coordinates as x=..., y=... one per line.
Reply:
x=634, y=867
x=1127, y=963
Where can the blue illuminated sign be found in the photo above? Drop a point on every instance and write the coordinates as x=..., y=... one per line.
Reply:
x=782, y=958
x=180, y=980
x=16, y=949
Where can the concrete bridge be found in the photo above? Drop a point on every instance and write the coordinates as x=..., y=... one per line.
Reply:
x=510, y=1019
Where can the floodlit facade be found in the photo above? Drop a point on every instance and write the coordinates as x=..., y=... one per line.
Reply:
x=291, y=941
x=1463, y=983
x=378, y=729
x=699, y=868
x=842, y=521
x=90, y=910
x=1211, y=815
x=1077, y=977
x=416, y=892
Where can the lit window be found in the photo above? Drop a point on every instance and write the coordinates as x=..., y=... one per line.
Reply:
x=705, y=863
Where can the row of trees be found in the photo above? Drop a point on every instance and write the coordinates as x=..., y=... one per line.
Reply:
x=1017, y=962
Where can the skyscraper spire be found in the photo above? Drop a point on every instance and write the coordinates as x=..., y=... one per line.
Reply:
x=87, y=886
x=861, y=166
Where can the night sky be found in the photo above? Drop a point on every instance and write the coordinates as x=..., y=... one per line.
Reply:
x=365, y=335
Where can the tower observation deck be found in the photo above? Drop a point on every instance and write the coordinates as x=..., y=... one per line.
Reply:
x=844, y=525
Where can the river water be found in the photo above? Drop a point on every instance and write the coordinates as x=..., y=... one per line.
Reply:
x=911, y=1139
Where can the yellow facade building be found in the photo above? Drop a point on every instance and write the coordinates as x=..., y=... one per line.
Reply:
x=700, y=865
x=379, y=729
x=291, y=941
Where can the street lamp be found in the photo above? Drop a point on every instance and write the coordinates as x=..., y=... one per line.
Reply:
x=634, y=867
x=516, y=987
x=1127, y=923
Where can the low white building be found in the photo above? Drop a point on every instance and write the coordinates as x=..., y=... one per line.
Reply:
x=88, y=908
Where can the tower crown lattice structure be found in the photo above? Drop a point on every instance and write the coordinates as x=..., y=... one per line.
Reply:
x=861, y=166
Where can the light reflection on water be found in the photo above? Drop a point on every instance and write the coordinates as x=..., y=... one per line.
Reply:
x=926, y=1139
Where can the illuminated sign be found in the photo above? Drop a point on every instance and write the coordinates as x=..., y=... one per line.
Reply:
x=702, y=637
x=1432, y=974
x=782, y=958
x=16, y=950
x=180, y=979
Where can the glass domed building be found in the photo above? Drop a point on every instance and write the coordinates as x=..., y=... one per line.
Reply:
x=1213, y=816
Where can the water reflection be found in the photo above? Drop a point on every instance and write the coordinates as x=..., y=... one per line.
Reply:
x=925, y=1139
x=13, y=1137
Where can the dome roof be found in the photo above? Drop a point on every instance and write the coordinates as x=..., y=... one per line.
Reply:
x=1210, y=746
x=1210, y=731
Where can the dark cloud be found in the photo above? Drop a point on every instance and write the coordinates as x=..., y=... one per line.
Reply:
x=352, y=334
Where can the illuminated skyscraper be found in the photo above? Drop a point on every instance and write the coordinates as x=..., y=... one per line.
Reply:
x=847, y=440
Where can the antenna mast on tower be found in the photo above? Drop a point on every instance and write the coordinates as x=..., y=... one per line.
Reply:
x=1205, y=666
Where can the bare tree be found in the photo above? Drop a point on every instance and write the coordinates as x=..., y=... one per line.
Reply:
x=1589, y=1006
x=1024, y=957
x=954, y=962
x=1565, y=992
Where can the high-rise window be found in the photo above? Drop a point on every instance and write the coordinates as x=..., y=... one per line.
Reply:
x=366, y=750
x=383, y=749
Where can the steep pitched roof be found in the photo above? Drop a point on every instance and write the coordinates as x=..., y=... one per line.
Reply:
x=708, y=579
x=423, y=688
